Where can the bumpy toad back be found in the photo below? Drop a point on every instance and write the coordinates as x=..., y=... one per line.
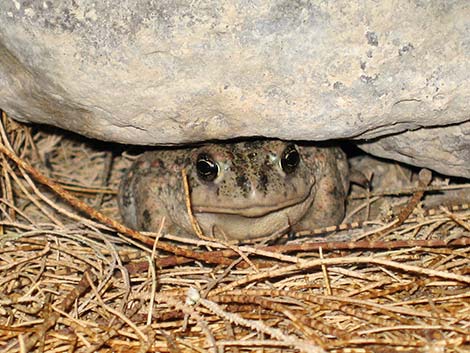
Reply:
x=238, y=190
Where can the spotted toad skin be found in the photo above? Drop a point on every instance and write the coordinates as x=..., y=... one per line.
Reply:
x=238, y=190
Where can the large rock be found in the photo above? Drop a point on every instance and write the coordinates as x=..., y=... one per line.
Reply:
x=444, y=149
x=161, y=72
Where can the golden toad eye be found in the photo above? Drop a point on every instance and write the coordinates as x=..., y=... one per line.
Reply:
x=207, y=168
x=290, y=159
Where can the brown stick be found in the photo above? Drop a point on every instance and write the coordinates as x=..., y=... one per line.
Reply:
x=82, y=206
x=65, y=306
x=425, y=177
x=325, y=246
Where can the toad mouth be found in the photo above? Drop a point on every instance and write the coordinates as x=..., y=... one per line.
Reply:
x=254, y=210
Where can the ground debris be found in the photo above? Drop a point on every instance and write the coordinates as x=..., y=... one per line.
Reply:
x=71, y=283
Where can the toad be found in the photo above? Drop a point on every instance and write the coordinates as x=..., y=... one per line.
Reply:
x=238, y=191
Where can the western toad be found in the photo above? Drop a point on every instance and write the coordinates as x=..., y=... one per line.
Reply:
x=238, y=190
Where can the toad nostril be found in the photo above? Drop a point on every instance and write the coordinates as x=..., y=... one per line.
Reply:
x=252, y=155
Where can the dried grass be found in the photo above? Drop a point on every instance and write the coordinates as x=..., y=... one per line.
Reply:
x=71, y=283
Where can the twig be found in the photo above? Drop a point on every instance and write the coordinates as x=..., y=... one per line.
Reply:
x=326, y=245
x=344, y=260
x=188, y=310
x=456, y=218
x=303, y=346
x=425, y=177
x=65, y=305
x=78, y=204
x=187, y=199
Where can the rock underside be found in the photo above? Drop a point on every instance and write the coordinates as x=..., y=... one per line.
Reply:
x=394, y=76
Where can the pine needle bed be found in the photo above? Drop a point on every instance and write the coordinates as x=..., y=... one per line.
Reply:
x=71, y=283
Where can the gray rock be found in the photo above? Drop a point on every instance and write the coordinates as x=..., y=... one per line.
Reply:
x=168, y=72
x=443, y=149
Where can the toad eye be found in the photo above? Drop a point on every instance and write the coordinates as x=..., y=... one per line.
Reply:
x=290, y=159
x=207, y=168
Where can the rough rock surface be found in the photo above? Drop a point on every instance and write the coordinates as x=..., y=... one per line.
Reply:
x=160, y=72
x=443, y=149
